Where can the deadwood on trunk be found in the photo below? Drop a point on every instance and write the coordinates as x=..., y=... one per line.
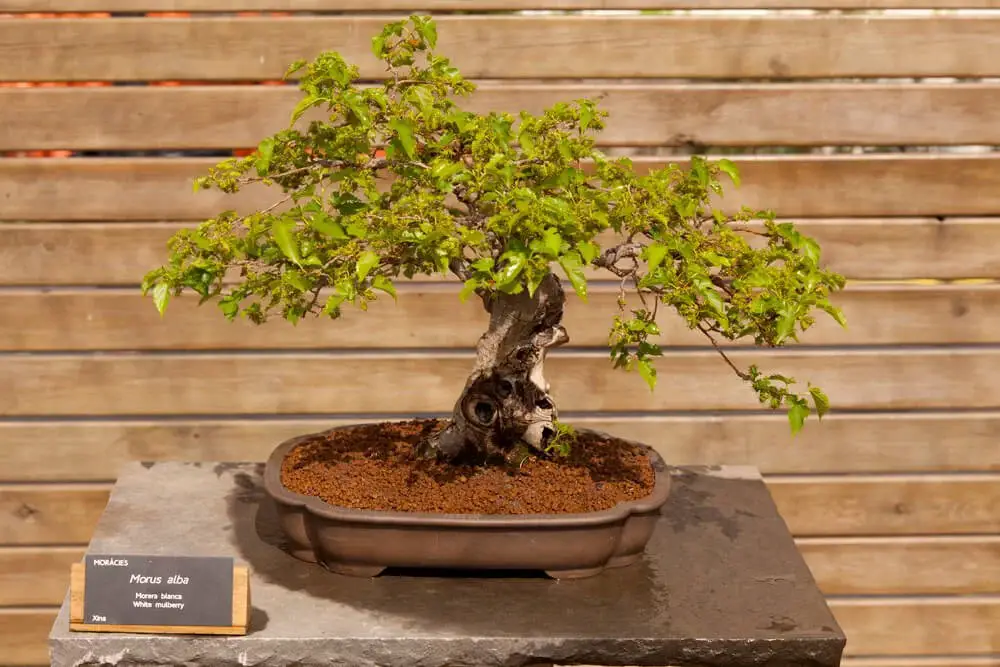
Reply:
x=506, y=399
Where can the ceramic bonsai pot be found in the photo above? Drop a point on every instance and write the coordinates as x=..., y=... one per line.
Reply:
x=364, y=542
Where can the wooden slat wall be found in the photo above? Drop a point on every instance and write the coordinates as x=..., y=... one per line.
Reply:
x=648, y=115
x=807, y=186
x=464, y=5
x=511, y=47
x=894, y=499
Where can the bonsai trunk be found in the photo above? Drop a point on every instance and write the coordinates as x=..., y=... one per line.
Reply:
x=506, y=398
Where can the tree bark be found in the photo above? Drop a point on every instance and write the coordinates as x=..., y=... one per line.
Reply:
x=506, y=399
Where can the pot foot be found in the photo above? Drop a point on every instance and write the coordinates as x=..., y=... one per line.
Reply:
x=575, y=574
x=355, y=570
x=308, y=555
x=622, y=561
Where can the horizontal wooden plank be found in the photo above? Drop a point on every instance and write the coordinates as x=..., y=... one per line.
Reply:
x=889, y=505
x=35, y=576
x=430, y=315
x=924, y=661
x=100, y=189
x=903, y=565
x=24, y=636
x=342, y=382
x=462, y=5
x=200, y=117
x=844, y=443
x=50, y=514
x=860, y=566
x=73, y=253
x=812, y=506
x=919, y=625
x=503, y=47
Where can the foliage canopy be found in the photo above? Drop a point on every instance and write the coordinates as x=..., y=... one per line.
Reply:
x=395, y=180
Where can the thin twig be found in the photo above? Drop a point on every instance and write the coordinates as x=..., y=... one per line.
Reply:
x=747, y=230
x=707, y=332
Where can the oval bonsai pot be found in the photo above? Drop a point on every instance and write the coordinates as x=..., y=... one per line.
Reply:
x=365, y=542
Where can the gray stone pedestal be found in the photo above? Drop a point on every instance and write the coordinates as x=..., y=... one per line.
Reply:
x=721, y=584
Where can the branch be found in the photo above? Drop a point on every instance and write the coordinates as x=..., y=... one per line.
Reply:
x=460, y=268
x=742, y=375
x=315, y=299
x=270, y=208
x=373, y=164
x=610, y=258
x=747, y=230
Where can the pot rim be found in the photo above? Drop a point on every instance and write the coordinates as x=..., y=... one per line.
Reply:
x=276, y=489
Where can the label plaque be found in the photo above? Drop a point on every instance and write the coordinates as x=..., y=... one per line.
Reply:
x=166, y=594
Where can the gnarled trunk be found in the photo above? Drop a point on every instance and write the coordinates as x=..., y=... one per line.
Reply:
x=506, y=398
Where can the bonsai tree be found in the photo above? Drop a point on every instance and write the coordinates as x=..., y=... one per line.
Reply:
x=397, y=180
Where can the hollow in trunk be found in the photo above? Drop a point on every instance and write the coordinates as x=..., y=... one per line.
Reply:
x=506, y=399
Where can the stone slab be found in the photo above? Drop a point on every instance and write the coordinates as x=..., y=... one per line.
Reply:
x=721, y=584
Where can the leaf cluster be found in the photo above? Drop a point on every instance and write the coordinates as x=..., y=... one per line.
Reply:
x=388, y=181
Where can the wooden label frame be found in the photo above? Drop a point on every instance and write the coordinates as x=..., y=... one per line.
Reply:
x=241, y=610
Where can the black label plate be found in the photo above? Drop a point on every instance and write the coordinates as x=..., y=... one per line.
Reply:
x=158, y=590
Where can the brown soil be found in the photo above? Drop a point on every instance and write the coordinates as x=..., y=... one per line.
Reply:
x=372, y=467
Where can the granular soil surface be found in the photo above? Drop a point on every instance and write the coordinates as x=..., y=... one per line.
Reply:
x=373, y=467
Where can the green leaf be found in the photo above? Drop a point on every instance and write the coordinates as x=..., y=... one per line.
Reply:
x=161, y=297
x=512, y=268
x=715, y=302
x=820, y=400
x=358, y=107
x=699, y=170
x=297, y=280
x=281, y=230
x=728, y=168
x=230, y=306
x=294, y=67
x=527, y=143
x=786, y=325
x=564, y=150
x=357, y=229
x=384, y=284
x=572, y=264
x=304, y=105
x=588, y=250
x=647, y=372
x=327, y=226
x=655, y=255
x=378, y=45
x=265, y=150
x=348, y=204
x=367, y=261
x=586, y=116
x=686, y=207
x=716, y=259
x=797, y=413
x=810, y=249
x=404, y=132
x=421, y=97
x=445, y=170
x=428, y=31
x=551, y=242
x=470, y=286
x=201, y=241
x=333, y=303
x=833, y=312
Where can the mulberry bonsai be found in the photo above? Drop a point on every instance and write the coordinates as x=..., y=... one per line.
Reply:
x=397, y=179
